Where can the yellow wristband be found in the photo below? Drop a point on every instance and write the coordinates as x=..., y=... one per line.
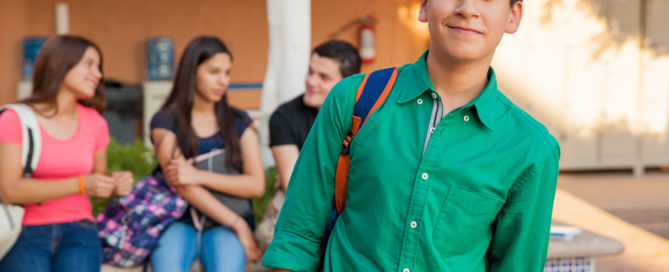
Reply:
x=81, y=185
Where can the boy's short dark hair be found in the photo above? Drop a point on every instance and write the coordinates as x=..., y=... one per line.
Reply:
x=343, y=53
x=514, y=1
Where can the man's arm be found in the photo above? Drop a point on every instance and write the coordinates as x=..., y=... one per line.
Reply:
x=285, y=157
x=520, y=239
x=306, y=210
x=283, y=142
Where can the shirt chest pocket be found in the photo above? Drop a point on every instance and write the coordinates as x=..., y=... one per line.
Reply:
x=464, y=222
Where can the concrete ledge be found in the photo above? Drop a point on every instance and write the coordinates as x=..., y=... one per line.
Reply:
x=644, y=251
x=250, y=267
x=110, y=268
x=586, y=244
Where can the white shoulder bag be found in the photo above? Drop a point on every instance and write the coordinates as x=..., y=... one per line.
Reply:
x=11, y=216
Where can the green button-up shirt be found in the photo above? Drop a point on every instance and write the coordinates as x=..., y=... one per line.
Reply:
x=478, y=197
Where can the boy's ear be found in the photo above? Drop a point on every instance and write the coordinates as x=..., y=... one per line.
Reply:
x=515, y=15
x=422, y=13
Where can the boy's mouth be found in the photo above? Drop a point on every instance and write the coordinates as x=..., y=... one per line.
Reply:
x=463, y=29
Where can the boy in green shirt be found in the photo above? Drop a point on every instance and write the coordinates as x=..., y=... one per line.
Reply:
x=447, y=175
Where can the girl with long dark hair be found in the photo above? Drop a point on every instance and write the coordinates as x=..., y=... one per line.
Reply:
x=197, y=122
x=58, y=232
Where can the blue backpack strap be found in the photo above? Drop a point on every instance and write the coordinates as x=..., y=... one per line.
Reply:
x=372, y=90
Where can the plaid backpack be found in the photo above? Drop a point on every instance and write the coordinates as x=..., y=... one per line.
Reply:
x=130, y=226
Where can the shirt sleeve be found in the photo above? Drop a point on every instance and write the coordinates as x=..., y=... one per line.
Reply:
x=10, y=125
x=163, y=119
x=521, y=234
x=307, y=207
x=242, y=121
x=279, y=130
x=103, y=132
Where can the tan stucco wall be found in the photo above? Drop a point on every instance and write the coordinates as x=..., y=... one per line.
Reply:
x=121, y=28
x=13, y=25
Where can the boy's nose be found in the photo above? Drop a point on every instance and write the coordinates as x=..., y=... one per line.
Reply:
x=467, y=8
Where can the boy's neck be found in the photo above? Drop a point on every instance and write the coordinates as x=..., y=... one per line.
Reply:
x=457, y=83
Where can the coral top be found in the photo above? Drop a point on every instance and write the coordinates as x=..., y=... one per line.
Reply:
x=61, y=159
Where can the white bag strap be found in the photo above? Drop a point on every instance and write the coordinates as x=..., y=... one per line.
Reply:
x=32, y=138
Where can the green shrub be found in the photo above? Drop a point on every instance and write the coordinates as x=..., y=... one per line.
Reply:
x=136, y=158
x=260, y=204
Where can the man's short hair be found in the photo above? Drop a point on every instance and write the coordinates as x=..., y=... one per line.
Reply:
x=343, y=53
x=514, y=1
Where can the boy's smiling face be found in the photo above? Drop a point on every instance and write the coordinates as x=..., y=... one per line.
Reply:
x=469, y=30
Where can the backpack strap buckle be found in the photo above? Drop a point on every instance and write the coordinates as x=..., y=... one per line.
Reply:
x=346, y=145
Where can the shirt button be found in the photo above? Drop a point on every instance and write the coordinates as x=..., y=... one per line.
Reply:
x=414, y=224
x=431, y=130
x=466, y=118
x=406, y=270
x=434, y=95
x=419, y=101
x=424, y=176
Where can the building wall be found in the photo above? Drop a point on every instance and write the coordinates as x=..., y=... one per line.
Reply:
x=400, y=37
x=13, y=25
x=596, y=73
x=121, y=28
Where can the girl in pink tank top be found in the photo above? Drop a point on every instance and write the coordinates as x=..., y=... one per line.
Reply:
x=58, y=230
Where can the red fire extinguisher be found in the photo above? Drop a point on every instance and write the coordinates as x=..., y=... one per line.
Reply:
x=367, y=39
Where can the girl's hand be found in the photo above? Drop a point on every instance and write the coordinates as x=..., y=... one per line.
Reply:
x=179, y=172
x=246, y=238
x=123, y=182
x=98, y=185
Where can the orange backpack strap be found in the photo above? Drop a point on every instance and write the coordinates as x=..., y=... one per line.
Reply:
x=371, y=94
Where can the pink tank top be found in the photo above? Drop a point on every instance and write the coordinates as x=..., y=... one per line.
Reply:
x=61, y=159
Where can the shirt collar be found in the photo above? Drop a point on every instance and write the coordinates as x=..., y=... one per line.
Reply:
x=483, y=104
x=419, y=82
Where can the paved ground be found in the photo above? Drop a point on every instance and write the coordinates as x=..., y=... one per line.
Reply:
x=632, y=210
